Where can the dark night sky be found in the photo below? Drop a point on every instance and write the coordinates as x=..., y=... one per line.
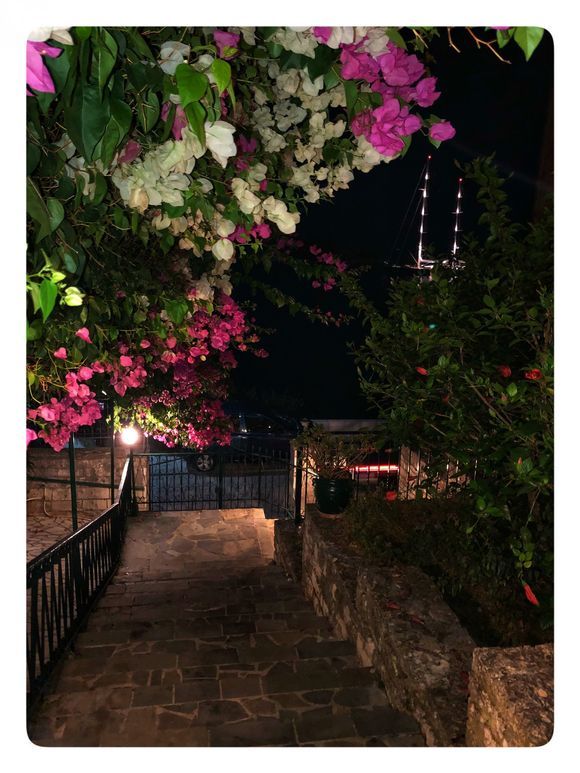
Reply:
x=494, y=107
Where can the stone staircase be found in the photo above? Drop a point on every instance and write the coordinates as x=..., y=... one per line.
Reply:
x=200, y=640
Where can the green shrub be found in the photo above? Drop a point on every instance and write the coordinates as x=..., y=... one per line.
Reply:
x=462, y=367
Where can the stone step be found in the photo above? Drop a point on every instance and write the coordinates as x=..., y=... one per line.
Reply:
x=233, y=716
x=205, y=629
x=116, y=632
x=220, y=607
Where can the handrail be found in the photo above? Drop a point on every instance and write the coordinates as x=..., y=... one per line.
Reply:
x=65, y=581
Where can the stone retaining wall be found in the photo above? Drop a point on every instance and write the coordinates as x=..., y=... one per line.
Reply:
x=428, y=663
x=288, y=548
x=400, y=625
x=511, y=697
x=93, y=465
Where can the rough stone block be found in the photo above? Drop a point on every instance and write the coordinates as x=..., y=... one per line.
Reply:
x=511, y=696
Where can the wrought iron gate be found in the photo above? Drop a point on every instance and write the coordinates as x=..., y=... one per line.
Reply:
x=228, y=478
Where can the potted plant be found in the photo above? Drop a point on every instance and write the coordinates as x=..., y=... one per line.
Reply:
x=332, y=456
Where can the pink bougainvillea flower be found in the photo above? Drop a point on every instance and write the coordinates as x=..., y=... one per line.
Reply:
x=129, y=152
x=179, y=120
x=30, y=436
x=98, y=367
x=84, y=335
x=60, y=353
x=46, y=413
x=533, y=375
x=390, y=496
x=145, y=344
x=322, y=34
x=504, y=370
x=125, y=361
x=422, y=371
x=261, y=231
x=85, y=373
x=424, y=92
x=227, y=43
x=441, y=131
x=530, y=595
x=37, y=75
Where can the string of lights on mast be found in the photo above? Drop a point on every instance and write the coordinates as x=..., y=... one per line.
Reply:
x=421, y=263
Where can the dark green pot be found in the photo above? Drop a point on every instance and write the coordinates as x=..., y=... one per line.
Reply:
x=332, y=495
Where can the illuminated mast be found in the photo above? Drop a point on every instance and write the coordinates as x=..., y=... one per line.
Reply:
x=455, y=262
x=421, y=262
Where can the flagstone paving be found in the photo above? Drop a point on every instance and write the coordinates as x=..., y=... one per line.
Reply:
x=200, y=640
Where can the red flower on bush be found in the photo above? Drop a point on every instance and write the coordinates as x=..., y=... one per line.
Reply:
x=530, y=595
x=504, y=370
x=533, y=375
x=422, y=371
x=390, y=496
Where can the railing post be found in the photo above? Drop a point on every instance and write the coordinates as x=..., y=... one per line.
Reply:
x=298, y=486
x=220, y=485
x=112, y=454
x=73, y=482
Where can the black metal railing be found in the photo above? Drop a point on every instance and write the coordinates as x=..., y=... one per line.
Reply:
x=64, y=582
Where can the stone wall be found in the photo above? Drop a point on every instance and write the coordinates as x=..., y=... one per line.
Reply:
x=288, y=548
x=92, y=465
x=511, y=697
x=400, y=625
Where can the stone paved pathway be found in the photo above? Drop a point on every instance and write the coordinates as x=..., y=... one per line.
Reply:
x=200, y=640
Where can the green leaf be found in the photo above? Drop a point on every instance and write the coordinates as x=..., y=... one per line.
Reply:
x=191, y=84
x=528, y=39
x=34, y=290
x=395, y=37
x=504, y=36
x=351, y=93
x=104, y=56
x=137, y=43
x=331, y=79
x=512, y=390
x=55, y=213
x=32, y=157
x=222, y=72
x=196, y=115
x=148, y=110
x=34, y=330
x=87, y=118
x=176, y=311
x=47, y=297
x=100, y=188
x=488, y=300
x=37, y=209
x=324, y=58
x=83, y=33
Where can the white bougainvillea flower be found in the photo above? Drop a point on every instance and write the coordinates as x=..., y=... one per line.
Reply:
x=339, y=36
x=223, y=250
x=161, y=221
x=225, y=228
x=277, y=212
x=204, y=184
x=298, y=40
x=172, y=54
x=289, y=81
x=311, y=87
x=248, y=202
x=273, y=142
x=58, y=34
x=219, y=138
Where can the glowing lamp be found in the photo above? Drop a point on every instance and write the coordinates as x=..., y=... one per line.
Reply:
x=129, y=436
